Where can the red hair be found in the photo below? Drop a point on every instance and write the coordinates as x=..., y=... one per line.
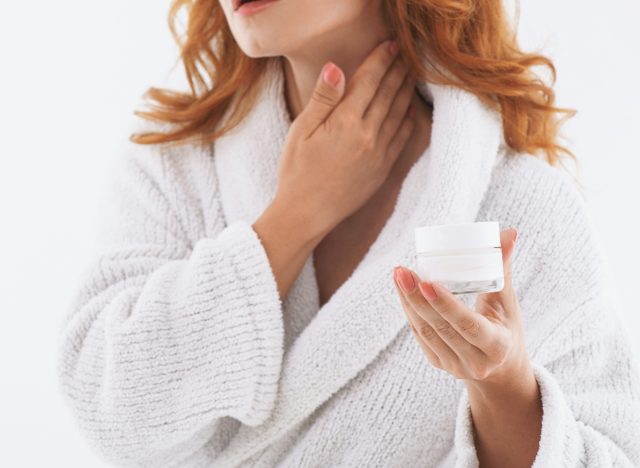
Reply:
x=471, y=39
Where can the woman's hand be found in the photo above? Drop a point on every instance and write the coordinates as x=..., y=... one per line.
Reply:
x=486, y=348
x=482, y=345
x=339, y=150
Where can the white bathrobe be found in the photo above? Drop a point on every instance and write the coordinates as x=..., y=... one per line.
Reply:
x=177, y=351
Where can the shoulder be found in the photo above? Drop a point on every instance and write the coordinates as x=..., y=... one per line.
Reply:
x=165, y=163
x=546, y=200
x=543, y=200
x=526, y=182
x=177, y=182
x=559, y=259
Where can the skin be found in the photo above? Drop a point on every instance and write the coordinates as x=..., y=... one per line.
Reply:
x=337, y=187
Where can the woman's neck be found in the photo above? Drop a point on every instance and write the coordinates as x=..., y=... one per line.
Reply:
x=347, y=48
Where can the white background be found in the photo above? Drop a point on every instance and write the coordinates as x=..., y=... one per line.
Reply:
x=71, y=73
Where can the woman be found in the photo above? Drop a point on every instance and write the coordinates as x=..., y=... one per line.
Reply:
x=243, y=309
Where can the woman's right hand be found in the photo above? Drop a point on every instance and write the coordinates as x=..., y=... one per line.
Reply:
x=339, y=150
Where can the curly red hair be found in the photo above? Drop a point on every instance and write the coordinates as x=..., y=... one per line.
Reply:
x=472, y=40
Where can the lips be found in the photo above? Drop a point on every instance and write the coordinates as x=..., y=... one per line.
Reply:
x=238, y=3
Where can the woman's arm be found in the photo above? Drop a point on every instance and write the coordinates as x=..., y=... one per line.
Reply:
x=507, y=419
x=287, y=236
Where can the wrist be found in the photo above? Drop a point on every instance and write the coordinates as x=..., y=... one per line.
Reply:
x=507, y=418
x=515, y=383
x=296, y=222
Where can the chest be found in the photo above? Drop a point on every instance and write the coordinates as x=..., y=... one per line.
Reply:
x=407, y=407
x=339, y=253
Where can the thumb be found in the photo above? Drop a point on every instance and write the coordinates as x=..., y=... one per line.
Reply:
x=508, y=243
x=325, y=96
x=506, y=294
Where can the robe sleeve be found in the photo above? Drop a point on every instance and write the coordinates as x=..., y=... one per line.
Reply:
x=591, y=407
x=168, y=336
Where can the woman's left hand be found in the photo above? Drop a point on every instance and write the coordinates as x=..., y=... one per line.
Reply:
x=482, y=346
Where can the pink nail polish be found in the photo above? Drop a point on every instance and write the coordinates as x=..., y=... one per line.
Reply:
x=331, y=74
x=405, y=278
x=428, y=291
x=396, y=277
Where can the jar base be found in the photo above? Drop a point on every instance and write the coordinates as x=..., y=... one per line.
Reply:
x=464, y=287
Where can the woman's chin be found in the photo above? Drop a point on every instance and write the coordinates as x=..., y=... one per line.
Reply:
x=259, y=47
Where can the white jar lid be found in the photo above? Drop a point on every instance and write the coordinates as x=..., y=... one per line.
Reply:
x=481, y=234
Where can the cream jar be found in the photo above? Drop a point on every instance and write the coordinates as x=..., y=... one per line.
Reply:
x=464, y=258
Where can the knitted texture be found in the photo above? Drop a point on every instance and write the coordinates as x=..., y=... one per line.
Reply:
x=176, y=350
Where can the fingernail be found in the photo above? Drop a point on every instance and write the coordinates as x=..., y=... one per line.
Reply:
x=396, y=276
x=331, y=74
x=405, y=279
x=427, y=291
x=393, y=47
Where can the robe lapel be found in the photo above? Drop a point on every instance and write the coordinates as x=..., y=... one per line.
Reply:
x=445, y=185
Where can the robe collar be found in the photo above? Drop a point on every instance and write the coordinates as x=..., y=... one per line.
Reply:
x=445, y=185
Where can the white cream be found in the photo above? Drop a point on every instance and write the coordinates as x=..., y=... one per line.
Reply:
x=465, y=258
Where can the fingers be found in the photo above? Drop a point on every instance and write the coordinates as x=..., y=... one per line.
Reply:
x=475, y=328
x=506, y=296
x=385, y=95
x=448, y=315
x=507, y=243
x=394, y=118
x=440, y=355
x=364, y=84
x=326, y=95
x=438, y=329
x=415, y=324
x=399, y=141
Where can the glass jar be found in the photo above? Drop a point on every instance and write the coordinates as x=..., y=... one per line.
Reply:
x=464, y=258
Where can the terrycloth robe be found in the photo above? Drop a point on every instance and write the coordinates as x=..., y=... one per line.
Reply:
x=177, y=351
